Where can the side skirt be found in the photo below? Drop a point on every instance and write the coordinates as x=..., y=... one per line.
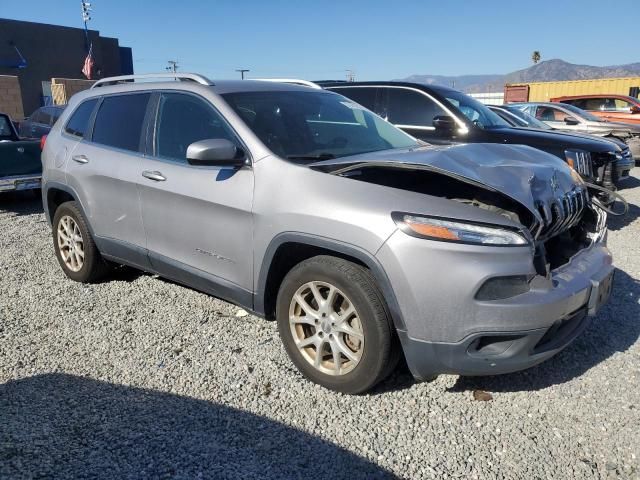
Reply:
x=151, y=262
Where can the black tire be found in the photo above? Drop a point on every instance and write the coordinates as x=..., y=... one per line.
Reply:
x=380, y=353
x=94, y=267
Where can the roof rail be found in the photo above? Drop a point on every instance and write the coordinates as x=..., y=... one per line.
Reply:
x=295, y=81
x=184, y=77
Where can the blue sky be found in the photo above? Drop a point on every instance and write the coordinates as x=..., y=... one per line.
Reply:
x=376, y=39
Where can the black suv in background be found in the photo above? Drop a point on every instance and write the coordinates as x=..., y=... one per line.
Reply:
x=441, y=115
x=520, y=119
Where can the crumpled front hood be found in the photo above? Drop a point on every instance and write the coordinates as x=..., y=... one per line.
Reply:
x=528, y=176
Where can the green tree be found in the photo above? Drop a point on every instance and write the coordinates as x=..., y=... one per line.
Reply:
x=535, y=56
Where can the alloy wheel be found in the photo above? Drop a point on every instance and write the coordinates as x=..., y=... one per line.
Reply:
x=326, y=328
x=70, y=243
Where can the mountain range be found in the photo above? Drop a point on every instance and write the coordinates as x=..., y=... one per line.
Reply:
x=547, y=71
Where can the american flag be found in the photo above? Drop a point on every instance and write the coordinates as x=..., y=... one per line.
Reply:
x=87, y=69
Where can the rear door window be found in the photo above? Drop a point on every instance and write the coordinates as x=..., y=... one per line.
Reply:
x=365, y=96
x=408, y=107
x=119, y=121
x=55, y=114
x=78, y=124
x=597, y=104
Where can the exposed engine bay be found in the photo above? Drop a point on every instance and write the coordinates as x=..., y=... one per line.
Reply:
x=561, y=219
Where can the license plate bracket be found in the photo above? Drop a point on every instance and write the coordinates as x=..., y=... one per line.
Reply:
x=600, y=292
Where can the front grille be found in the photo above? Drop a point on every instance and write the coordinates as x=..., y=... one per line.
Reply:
x=562, y=213
x=583, y=164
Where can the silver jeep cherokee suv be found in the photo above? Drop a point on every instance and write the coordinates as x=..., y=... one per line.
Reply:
x=300, y=205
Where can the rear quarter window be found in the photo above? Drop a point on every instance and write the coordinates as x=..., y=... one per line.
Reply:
x=119, y=121
x=41, y=116
x=78, y=123
x=55, y=114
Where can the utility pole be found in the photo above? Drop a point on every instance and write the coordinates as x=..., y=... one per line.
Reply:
x=351, y=76
x=242, y=72
x=173, y=66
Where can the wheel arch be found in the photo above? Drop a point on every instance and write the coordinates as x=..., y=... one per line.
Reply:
x=288, y=249
x=55, y=194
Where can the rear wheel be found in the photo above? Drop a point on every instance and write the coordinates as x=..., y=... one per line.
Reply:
x=334, y=324
x=75, y=249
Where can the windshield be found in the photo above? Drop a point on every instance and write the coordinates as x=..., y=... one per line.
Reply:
x=475, y=111
x=529, y=120
x=315, y=125
x=581, y=113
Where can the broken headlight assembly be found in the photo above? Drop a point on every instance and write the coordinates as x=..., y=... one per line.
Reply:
x=450, y=230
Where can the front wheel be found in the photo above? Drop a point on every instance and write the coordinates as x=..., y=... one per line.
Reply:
x=334, y=324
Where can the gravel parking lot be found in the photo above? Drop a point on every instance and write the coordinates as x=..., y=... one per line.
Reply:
x=138, y=377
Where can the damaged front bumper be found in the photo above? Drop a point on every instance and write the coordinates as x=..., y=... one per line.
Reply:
x=448, y=330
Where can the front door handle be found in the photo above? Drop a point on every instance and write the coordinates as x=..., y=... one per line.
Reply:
x=80, y=159
x=154, y=175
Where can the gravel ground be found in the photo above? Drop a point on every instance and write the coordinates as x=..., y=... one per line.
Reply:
x=138, y=377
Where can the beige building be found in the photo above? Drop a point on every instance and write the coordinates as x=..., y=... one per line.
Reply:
x=11, y=97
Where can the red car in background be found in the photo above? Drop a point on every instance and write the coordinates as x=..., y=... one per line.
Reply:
x=616, y=108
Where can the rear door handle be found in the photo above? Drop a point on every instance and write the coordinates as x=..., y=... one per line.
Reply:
x=154, y=175
x=80, y=159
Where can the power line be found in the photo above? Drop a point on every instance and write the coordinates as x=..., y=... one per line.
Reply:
x=242, y=72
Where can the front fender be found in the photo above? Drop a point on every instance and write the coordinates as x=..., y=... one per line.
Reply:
x=334, y=245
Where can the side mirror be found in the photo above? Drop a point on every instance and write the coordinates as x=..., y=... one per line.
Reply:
x=571, y=121
x=215, y=151
x=635, y=109
x=444, y=123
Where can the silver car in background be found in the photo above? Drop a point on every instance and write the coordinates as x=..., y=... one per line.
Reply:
x=302, y=206
x=569, y=118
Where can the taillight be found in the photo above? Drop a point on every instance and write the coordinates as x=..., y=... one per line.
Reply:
x=43, y=140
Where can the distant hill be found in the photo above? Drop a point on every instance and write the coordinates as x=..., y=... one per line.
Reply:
x=547, y=71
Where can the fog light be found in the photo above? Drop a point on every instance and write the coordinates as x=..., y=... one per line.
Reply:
x=499, y=288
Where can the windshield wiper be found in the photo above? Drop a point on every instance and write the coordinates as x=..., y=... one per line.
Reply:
x=320, y=156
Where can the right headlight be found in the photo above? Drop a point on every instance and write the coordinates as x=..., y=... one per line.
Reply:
x=449, y=230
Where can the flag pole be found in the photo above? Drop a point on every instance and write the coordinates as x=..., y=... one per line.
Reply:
x=87, y=69
x=86, y=16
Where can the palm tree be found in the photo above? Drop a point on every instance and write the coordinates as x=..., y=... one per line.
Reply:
x=535, y=56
